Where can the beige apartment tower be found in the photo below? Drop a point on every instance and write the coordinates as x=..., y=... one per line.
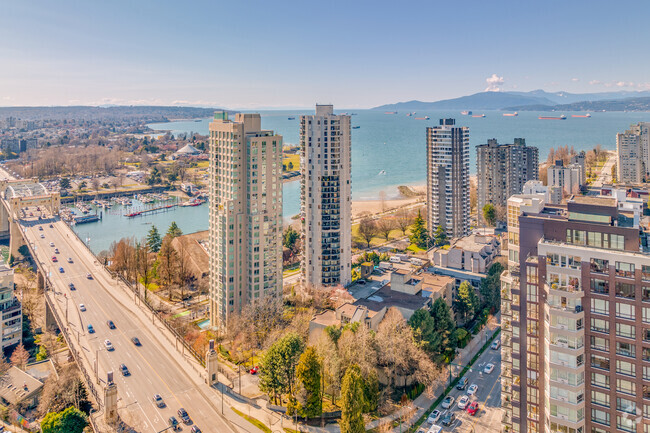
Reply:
x=245, y=215
x=326, y=212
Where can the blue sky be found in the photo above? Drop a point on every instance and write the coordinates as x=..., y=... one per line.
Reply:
x=354, y=53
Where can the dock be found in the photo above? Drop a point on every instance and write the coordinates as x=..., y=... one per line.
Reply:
x=150, y=211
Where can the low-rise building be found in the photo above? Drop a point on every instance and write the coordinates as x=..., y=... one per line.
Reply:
x=467, y=258
x=564, y=180
x=11, y=309
x=20, y=387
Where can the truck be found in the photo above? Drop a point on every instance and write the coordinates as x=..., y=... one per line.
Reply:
x=416, y=262
x=385, y=266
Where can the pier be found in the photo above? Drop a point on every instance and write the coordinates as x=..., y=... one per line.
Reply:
x=153, y=210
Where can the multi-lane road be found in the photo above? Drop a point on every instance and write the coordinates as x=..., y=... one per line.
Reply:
x=155, y=367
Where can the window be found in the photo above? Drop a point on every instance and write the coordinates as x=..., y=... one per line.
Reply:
x=623, y=330
x=625, y=269
x=646, y=372
x=625, y=405
x=626, y=311
x=600, y=416
x=594, y=239
x=645, y=314
x=600, y=325
x=625, y=423
x=645, y=354
x=598, y=361
x=625, y=386
x=600, y=343
x=601, y=380
x=625, y=290
x=646, y=334
x=599, y=266
x=600, y=306
x=646, y=391
x=600, y=398
x=616, y=242
x=599, y=286
x=645, y=294
x=645, y=272
x=626, y=368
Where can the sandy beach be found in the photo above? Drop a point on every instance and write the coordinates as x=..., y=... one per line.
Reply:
x=364, y=207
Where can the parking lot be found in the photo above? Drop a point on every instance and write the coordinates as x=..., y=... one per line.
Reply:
x=488, y=396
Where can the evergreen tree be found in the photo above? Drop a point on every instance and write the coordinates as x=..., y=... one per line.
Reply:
x=154, y=240
x=352, y=401
x=489, y=214
x=490, y=287
x=64, y=183
x=174, y=231
x=419, y=235
x=290, y=238
x=424, y=330
x=308, y=375
x=467, y=302
x=444, y=323
x=439, y=236
x=279, y=365
x=371, y=392
x=71, y=420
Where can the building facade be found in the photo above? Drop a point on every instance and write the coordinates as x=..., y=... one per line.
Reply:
x=576, y=320
x=564, y=180
x=633, y=154
x=503, y=169
x=10, y=308
x=448, y=178
x=245, y=238
x=326, y=198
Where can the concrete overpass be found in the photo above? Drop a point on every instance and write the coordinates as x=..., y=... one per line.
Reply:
x=158, y=365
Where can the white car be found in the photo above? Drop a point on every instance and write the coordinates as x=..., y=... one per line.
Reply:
x=495, y=345
x=108, y=345
x=472, y=389
x=434, y=417
x=488, y=368
x=82, y=307
x=463, y=402
x=69, y=259
x=52, y=244
x=447, y=402
x=42, y=236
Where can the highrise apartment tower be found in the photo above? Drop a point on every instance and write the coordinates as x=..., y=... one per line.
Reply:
x=245, y=215
x=448, y=178
x=633, y=154
x=326, y=198
x=502, y=171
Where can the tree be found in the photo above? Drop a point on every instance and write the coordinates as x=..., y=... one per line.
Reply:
x=64, y=183
x=153, y=239
x=404, y=219
x=174, y=231
x=71, y=420
x=290, y=238
x=425, y=333
x=155, y=176
x=419, y=235
x=23, y=250
x=308, y=375
x=95, y=184
x=143, y=266
x=385, y=226
x=367, y=230
x=439, y=236
x=279, y=365
x=490, y=287
x=42, y=354
x=290, y=166
x=443, y=321
x=489, y=214
x=64, y=390
x=352, y=401
x=467, y=302
x=20, y=357
x=167, y=264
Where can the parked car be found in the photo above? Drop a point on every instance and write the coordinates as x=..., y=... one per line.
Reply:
x=42, y=236
x=462, y=383
x=472, y=408
x=109, y=345
x=447, y=402
x=54, y=259
x=434, y=417
x=40, y=228
x=462, y=402
x=195, y=429
x=71, y=286
x=448, y=419
x=56, y=251
x=51, y=226
x=173, y=423
x=61, y=269
x=495, y=345
x=82, y=307
x=254, y=370
x=124, y=369
x=158, y=400
x=182, y=414
x=91, y=330
x=488, y=368
x=472, y=389
x=69, y=259
x=135, y=341
x=52, y=244
x=110, y=324
x=89, y=276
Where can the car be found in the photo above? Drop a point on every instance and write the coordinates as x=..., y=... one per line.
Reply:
x=195, y=429
x=89, y=276
x=125, y=370
x=463, y=402
x=135, y=341
x=254, y=370
x=54, y=259
x=182, y=414
x=158, y=400
x=91, y=330
x=472, y=408
x=108, y=345
x=61, y=269
x=472, y=389
x=362, y=282
x=173, y=422
x=495, y=345
x=42, y=236
x=488, y=368
x=69, y=259
x=51, y=226
x=462, y=383
x=40, y=228
x=448, y=419
x=52, y=244
x=56, y=251
x=434, y=416
x=82, y=307
x=71, y=286
x=110, y=324
x=447, y=402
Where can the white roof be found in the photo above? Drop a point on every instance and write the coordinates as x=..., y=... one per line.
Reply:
x=188, y=150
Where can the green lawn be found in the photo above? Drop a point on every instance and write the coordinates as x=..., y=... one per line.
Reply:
x=257, y=423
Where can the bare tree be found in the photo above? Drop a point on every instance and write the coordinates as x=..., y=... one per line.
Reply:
x=20, y=357
x=143, y=266
x=404, y=218
x=94, y=183
x=385, y=226
x=367, y=230
x=168, y=264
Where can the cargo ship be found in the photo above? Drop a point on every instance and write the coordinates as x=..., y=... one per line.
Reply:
x=562, y=117
x=466, y=113
x=515, y=114
x=356, y=127
x=291, y=118
x=478, y=115
x=423, y=118
x=581, y=115
x=390, y=112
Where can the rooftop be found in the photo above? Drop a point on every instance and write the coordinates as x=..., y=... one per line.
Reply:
x=25, y=189
x=593, y=200
x=386, y=298
x=16, y=385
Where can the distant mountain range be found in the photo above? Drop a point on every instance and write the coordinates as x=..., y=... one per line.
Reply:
x=538, y=100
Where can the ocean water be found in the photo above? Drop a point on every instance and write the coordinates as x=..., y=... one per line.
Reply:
x=393, y=143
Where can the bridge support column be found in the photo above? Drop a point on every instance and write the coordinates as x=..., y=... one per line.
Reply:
x=4, y=220
x=15, y=238
x=211, y=365
x=110, y=400
x=50, y=321
x=40, y=279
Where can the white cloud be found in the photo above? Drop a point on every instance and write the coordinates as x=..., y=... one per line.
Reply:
x=575, y=80
x=494, y=83
x=595, y=82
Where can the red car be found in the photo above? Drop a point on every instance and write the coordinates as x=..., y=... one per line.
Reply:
x=472, y=408
x=254, y=370
x=54, y=259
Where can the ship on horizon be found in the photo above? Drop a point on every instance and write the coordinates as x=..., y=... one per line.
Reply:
x=562, y=117
x=515, y=114
x=478, y=115
x=466, y=113
x=390, y=112
x=423, y=118
x=581, y=115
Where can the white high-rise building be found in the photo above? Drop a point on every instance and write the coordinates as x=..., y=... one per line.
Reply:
x=563, y=180
x=326, y=198
x=448, y=178
x=245, y=215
